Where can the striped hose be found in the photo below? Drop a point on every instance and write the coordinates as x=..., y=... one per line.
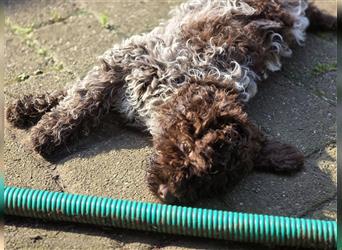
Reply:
x=214, y=224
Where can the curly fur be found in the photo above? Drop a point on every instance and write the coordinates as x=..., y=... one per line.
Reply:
x=186, y=82
x=206, y=143
x=28, y=110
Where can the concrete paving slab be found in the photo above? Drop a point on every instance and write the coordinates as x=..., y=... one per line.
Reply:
x=114, y=166
x=24, y=170
x=37, y=84
x=208, y=245
x=282, y=195
x=313, y=68
x=21, y=59
x=324, y=86
x=292, y=114
x=77, y=42
x=130, y=17
x=37, y=235
x=37, y=13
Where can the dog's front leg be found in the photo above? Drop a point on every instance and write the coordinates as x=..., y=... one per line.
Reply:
x=82, y=109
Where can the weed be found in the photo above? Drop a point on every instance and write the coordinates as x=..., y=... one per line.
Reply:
x=322, y=68
x=104, y=21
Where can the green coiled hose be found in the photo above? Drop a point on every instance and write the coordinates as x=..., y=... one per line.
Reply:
x=214, y=224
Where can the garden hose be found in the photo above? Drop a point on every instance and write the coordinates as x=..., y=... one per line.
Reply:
x=213, y=224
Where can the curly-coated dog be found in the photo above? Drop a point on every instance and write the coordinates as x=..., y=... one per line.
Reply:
x=186, y=82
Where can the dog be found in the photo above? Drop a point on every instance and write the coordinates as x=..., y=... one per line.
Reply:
x=186, y=82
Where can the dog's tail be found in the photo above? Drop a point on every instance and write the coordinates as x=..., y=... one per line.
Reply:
x=320, y=20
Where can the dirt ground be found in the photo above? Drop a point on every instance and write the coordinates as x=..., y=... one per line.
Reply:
x=52, y=43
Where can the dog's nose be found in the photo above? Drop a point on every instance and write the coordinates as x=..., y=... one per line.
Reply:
x=163, y=191
x=165, y=195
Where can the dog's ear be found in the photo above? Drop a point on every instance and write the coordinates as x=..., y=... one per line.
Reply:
x=279, y=157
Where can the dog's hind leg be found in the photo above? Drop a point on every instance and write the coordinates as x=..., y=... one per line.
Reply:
x=28, y=110
x=81, y=110
x=279, y=158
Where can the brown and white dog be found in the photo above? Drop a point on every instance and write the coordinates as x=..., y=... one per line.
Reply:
x=186, y=82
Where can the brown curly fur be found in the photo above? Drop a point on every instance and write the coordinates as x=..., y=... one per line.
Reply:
x=243, y=35
x=79, y=115
x=205, y=141
x=207, y=144
x=28, y=110
x=279, y=157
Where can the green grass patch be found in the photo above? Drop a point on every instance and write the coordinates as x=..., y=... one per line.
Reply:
x=322, y=68
x=103, y=19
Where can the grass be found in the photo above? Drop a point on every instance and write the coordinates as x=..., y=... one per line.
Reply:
x=103, y=19
x=26, y=34
x=322, y=68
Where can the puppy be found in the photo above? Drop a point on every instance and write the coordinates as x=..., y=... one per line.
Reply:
x=186, y=82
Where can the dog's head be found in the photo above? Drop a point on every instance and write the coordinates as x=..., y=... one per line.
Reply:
x=205, y=143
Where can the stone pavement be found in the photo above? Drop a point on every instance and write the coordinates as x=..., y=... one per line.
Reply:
x=52, y=43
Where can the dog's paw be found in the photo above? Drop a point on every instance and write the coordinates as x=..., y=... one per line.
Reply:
x=18, y=113
x=43, y=141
